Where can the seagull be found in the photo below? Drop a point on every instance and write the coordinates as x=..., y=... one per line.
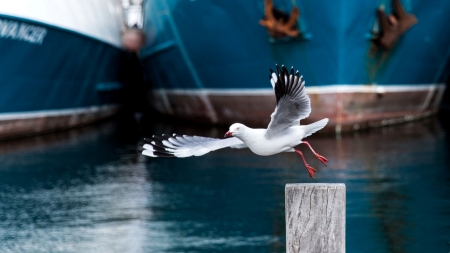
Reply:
x=283, y=133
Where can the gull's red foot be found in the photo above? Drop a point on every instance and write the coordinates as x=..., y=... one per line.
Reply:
x=311, y=171
x=322, y=159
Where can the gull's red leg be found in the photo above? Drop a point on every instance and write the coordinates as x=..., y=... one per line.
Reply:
x=321, y=158
x=310, y=169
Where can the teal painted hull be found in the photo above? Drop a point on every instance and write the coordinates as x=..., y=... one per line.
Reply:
x=220, y=49
x=66, y=70
x=219, y=44
x=49, y=72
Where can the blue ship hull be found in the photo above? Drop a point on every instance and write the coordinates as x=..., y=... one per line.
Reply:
x=53, y=78
x=209, y=60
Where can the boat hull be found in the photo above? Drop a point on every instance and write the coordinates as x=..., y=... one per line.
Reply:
x=209, y=61
x=14, y=125
x=52, y=77
x=347, y=111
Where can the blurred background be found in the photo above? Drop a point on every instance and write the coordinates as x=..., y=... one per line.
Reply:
x=83, y=82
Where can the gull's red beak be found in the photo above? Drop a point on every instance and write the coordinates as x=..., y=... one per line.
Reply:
x=228, y=134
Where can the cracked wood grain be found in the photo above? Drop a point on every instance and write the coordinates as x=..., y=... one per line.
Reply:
x=315, y=218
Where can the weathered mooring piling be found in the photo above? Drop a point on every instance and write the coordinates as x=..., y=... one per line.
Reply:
x=315, y=218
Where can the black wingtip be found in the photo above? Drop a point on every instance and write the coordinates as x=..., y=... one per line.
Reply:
x=163, y=154
x=285, y=71
x=285, y=84
x=161, y=138
x=156, y=143
x=278, y=70
x=159, y=149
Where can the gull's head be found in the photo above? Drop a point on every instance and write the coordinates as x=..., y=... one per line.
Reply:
x=235, y=130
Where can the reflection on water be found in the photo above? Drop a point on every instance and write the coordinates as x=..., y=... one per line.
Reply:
x=90, y=190
x=71, y=192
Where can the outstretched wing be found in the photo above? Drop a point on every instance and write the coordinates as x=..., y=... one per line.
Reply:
x=293, y=104
x=185, y=146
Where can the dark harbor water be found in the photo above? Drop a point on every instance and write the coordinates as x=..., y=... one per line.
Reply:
x=89, y=190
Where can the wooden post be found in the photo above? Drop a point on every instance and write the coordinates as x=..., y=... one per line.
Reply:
x=315, y=218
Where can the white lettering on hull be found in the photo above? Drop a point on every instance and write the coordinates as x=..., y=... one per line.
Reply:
x=22, y=31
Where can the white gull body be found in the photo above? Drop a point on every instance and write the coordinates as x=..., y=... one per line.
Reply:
x=282, y=135
x=283, y=141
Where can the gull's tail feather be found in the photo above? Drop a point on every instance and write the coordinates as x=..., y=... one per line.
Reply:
x=314, y=127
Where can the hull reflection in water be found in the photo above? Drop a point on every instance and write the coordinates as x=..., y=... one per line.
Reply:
x=71, y=192
x=91, y=191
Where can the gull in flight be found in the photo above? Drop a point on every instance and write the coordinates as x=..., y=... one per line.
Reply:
x=282, y=135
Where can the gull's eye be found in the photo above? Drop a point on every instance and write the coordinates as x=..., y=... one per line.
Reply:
x=238, y=128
